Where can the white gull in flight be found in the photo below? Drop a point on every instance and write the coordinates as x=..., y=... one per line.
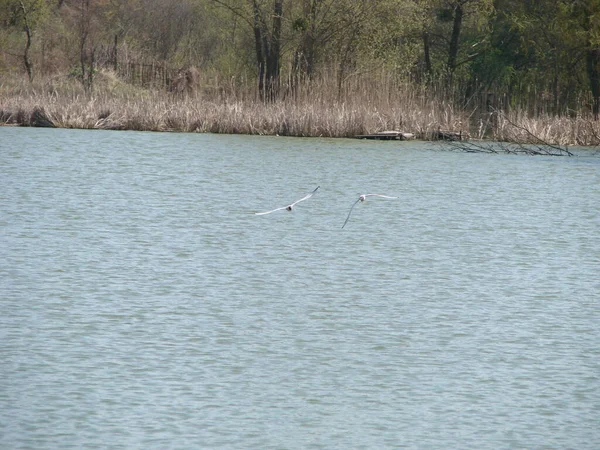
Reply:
x=291, y=205
x=362, y=198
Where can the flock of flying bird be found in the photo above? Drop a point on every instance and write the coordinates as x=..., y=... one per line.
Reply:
x=361, y=198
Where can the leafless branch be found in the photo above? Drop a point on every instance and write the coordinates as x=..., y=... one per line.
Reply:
x=543, y=146
x=532, y=145
x=502, y=147
x=239, y=12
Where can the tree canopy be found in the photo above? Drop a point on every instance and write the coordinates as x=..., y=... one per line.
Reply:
x=541, y=55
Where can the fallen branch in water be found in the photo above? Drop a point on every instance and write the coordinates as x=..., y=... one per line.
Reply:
x=521, y=141
x=505, y=147
x=540, y=145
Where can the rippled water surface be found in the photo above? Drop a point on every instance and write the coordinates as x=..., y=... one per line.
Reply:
x=144, y=305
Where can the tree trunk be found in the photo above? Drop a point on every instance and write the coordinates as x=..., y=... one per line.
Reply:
x=453, y=49
x=268, y=50
x=26, y=61
x=90, y=74
x=274, y=55
x=259, y=42
x=427, y=56
x=114, y=54
x=86, y=56
x=593, y=63
x=556, y=91
x=304, y=56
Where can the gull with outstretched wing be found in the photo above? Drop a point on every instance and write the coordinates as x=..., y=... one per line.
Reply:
x=362, y=198
x=290, y=206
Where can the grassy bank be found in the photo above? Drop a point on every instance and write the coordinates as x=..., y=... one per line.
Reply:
x=364, y=106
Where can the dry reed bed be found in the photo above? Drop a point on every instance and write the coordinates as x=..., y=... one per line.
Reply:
x=286, y=118
x=362, y=110
x=562, y=131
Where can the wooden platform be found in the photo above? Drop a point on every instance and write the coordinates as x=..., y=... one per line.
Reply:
x=388, y=136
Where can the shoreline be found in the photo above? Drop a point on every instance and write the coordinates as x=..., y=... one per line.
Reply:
x=39, y=117
x=454, y=141
x=114, y=105
x=461, y=139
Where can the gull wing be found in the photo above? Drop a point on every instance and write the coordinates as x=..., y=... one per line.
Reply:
x=350, y=212
x=269, y=212
x=307, y=196
x=287, y=206
x=378, y=195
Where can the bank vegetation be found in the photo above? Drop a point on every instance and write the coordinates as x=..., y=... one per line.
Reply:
x=504, y=70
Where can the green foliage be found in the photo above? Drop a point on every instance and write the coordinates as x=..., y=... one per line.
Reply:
x=531, y=51
x=76, y=73
x=19, y=13
x=300, y=24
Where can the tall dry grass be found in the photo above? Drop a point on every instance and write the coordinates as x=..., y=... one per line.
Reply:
x=562, y=131
x=365, y=104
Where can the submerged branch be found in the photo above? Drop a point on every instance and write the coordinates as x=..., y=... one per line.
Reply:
x=540, y=145
x=506, y=147
x=516, y=139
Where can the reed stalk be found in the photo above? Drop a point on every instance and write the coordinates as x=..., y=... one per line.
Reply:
x=365, y=105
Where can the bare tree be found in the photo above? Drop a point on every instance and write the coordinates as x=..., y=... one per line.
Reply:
x=268, y=48
x=592, y=59
x=87, y=49
x=26, y=14
x=267, y=40
x=27, y=28
x=304, y=55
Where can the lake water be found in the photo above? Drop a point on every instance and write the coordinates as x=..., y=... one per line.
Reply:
x=145, y=306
